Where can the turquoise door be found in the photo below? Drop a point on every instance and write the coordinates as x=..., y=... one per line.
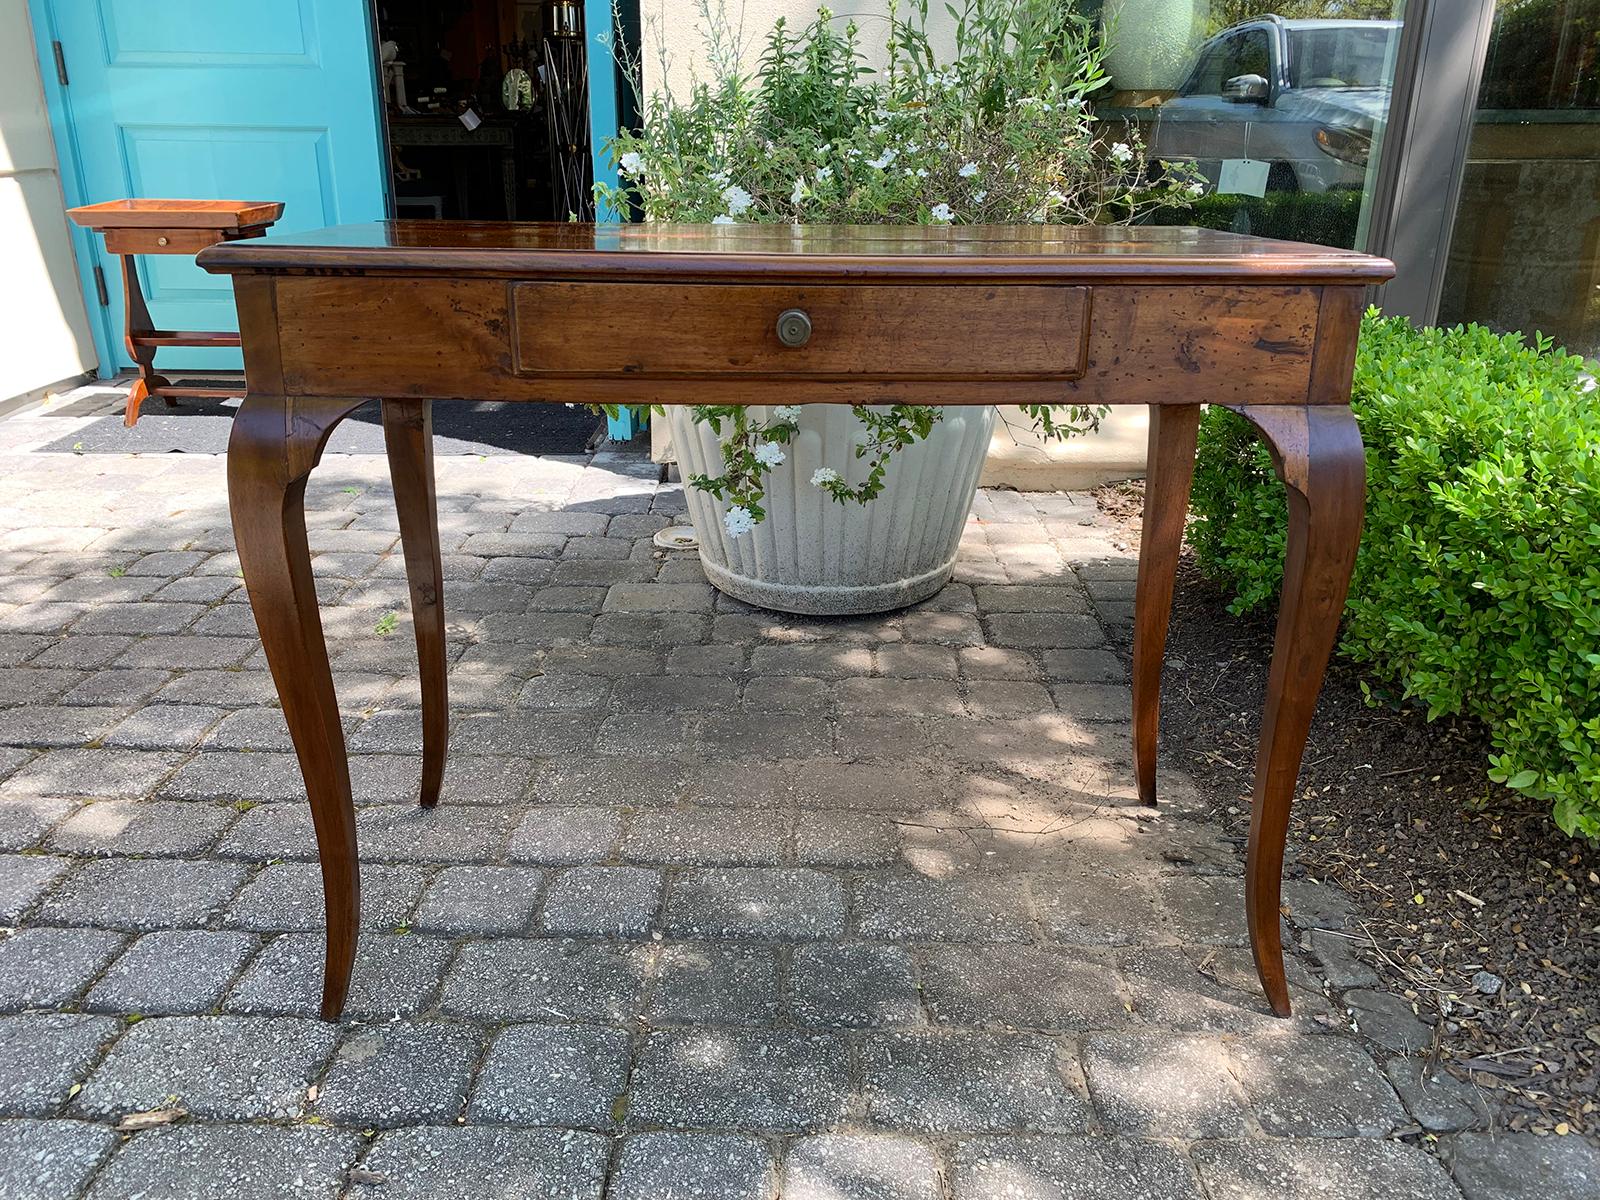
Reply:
x=213, y=100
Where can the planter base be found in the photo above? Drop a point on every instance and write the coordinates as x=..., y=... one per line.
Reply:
x=824, y=599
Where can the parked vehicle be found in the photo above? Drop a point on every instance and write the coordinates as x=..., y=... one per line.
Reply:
x=1306, y=96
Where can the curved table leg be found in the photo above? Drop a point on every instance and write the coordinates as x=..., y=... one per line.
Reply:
x=1169, y=472
x=1318, y=454
x=276, y=441
x=408, y=436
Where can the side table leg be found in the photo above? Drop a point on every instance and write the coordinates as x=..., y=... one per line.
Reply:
x=137, y=320
x=1318, y=454
x=276, y=441
x=1169, y=471
x=408, y=436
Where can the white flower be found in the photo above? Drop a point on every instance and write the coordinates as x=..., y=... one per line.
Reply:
x=799, y=192
x=738, y=521
x=968, y=170
x=922, y=172
x=883, y=160
x=823, y=476
x=720, y=178
x=1122, y=152
x=941, y=212
x=769, y=454
x=825, y=173
x=737, y=198
x=979, y=197
x=786, y=413
x=724, y=219
x=631, y=163
x=1197, y=188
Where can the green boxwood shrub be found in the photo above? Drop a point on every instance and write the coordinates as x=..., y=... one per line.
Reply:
x=1477, y=589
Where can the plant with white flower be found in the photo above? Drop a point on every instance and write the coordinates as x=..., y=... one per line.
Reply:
x=1002, y=131
x=823, y=476
x=738, y=521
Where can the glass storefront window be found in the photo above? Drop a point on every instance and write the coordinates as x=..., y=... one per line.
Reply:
x=1525, y=252
x=1280, y=104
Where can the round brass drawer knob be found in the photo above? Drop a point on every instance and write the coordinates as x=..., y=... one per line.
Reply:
x=794, y=327
x=161, y=241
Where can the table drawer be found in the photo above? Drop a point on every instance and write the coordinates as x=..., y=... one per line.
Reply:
x=665, y=331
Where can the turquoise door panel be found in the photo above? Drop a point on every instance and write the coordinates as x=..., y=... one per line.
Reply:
x=211, y=100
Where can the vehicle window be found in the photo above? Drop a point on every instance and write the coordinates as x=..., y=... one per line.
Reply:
x=1346, y=56
x=1246, y=53
x=1207, y=77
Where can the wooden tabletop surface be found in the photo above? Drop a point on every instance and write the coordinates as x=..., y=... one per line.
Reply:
x=977, y=253
x=176, y=214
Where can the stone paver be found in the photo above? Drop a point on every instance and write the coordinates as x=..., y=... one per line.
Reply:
x=397, y=1073
x=1323, y=1169
x=127, y=893
x=172, y=971
x=43, y=1055
x=693, y=1166
x=216, y=1067
x=760, y=1080
x=552, y=1075
x=23, y=879
x=1073, y=1168
x=393, y=974
x=544, y=979
x=604, y=901
x=719, y=904
x=756, y=902
x=431, y=1163
x=42, y=967
x=863, y=1167
x=50, y=1160
x=229, y=1162
x=1501, y=1166
x=971, y=1081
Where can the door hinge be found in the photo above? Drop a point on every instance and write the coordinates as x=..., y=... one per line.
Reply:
x=100, y=286
x=61, y=62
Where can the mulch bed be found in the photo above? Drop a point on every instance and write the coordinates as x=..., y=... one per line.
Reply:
x=1475, y=906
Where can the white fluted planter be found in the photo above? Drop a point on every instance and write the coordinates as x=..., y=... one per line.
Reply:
x=815, y=555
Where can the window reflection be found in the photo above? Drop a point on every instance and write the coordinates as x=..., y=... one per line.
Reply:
x=1279, y=105
x=1525, y=254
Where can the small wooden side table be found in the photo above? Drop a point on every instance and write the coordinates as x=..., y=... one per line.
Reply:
x=134, y=227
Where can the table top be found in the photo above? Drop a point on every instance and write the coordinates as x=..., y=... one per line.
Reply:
x=974, y=253
x=152, y=213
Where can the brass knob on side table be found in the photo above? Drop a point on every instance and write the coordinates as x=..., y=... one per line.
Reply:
x=794, y=327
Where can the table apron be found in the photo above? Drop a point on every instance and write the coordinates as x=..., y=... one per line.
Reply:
x=558, y=340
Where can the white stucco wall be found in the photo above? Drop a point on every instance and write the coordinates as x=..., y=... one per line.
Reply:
x=44, y=330
x=673, y=26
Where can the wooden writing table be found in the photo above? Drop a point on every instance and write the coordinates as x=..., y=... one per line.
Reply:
x=151, y=226
x=417, y=311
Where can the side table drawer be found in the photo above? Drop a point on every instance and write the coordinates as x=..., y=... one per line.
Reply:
x=881, y=332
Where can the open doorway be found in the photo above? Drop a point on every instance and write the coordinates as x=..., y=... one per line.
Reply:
x=486, y=106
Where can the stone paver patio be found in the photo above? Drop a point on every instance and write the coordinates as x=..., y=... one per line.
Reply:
x=718, y=903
